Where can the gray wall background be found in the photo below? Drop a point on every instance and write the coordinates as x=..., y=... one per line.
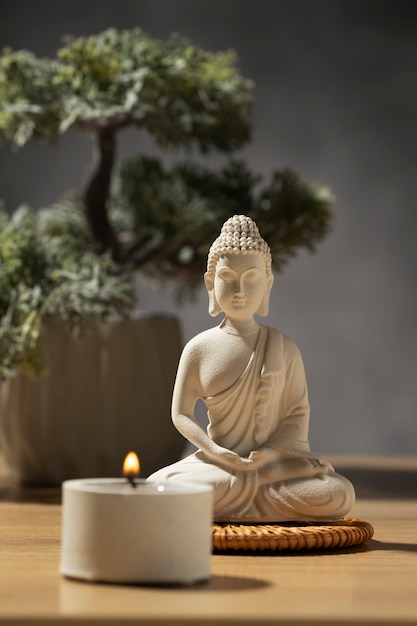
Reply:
x=336, y=97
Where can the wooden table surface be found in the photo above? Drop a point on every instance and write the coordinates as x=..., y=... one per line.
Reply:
x=371, y=584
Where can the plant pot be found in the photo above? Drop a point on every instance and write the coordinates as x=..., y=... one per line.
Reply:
x=104, y=394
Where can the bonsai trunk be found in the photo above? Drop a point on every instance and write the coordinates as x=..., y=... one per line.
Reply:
x=97, y=193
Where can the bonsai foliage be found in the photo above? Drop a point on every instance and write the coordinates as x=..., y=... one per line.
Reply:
x=76, y=258
x=178, y=93
x=175, y=213
x=48, y=265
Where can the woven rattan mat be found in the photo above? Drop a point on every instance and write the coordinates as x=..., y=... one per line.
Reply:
x=291, y=536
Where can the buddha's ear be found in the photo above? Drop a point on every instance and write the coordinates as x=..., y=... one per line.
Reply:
x=209, y=281
x=264, y=307
x=214, y=308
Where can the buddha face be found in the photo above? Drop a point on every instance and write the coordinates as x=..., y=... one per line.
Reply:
x=240, y=286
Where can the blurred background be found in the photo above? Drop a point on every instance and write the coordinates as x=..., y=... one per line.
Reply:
x=336, y=98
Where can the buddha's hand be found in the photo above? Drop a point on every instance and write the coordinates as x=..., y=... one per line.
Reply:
x=225, y=458
x=321, y=465
x=231, y=461
x=263, y=456
x=312, y=464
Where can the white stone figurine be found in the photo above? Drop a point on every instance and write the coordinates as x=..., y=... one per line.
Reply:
x=251, y=378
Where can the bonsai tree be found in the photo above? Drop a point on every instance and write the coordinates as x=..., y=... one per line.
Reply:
x=138, y=215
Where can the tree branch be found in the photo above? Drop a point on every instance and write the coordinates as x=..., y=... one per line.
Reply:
x=97, y=193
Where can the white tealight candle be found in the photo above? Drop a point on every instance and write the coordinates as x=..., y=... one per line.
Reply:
x=114, y=531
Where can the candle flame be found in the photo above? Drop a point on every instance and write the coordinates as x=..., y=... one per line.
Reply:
x=131, y=465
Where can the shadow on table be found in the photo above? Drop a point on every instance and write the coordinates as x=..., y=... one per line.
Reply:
x=391, y=546
x=233, y=583
x=11, y=491
x=376, y=483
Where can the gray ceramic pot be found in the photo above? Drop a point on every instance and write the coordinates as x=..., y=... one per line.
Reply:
x=104, y=394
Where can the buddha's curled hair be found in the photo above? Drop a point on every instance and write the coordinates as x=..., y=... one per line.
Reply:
x=239, y=235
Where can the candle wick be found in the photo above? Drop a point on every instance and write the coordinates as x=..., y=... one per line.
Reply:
x=132, y=481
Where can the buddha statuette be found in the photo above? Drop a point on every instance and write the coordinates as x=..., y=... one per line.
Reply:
x=255, y=451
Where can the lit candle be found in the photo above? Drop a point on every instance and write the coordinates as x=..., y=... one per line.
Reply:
x=131, y=468
x=135, y=531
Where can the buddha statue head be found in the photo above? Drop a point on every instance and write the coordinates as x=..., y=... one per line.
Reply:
x=240, y=259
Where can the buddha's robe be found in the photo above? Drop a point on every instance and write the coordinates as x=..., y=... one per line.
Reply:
x=267, y=406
